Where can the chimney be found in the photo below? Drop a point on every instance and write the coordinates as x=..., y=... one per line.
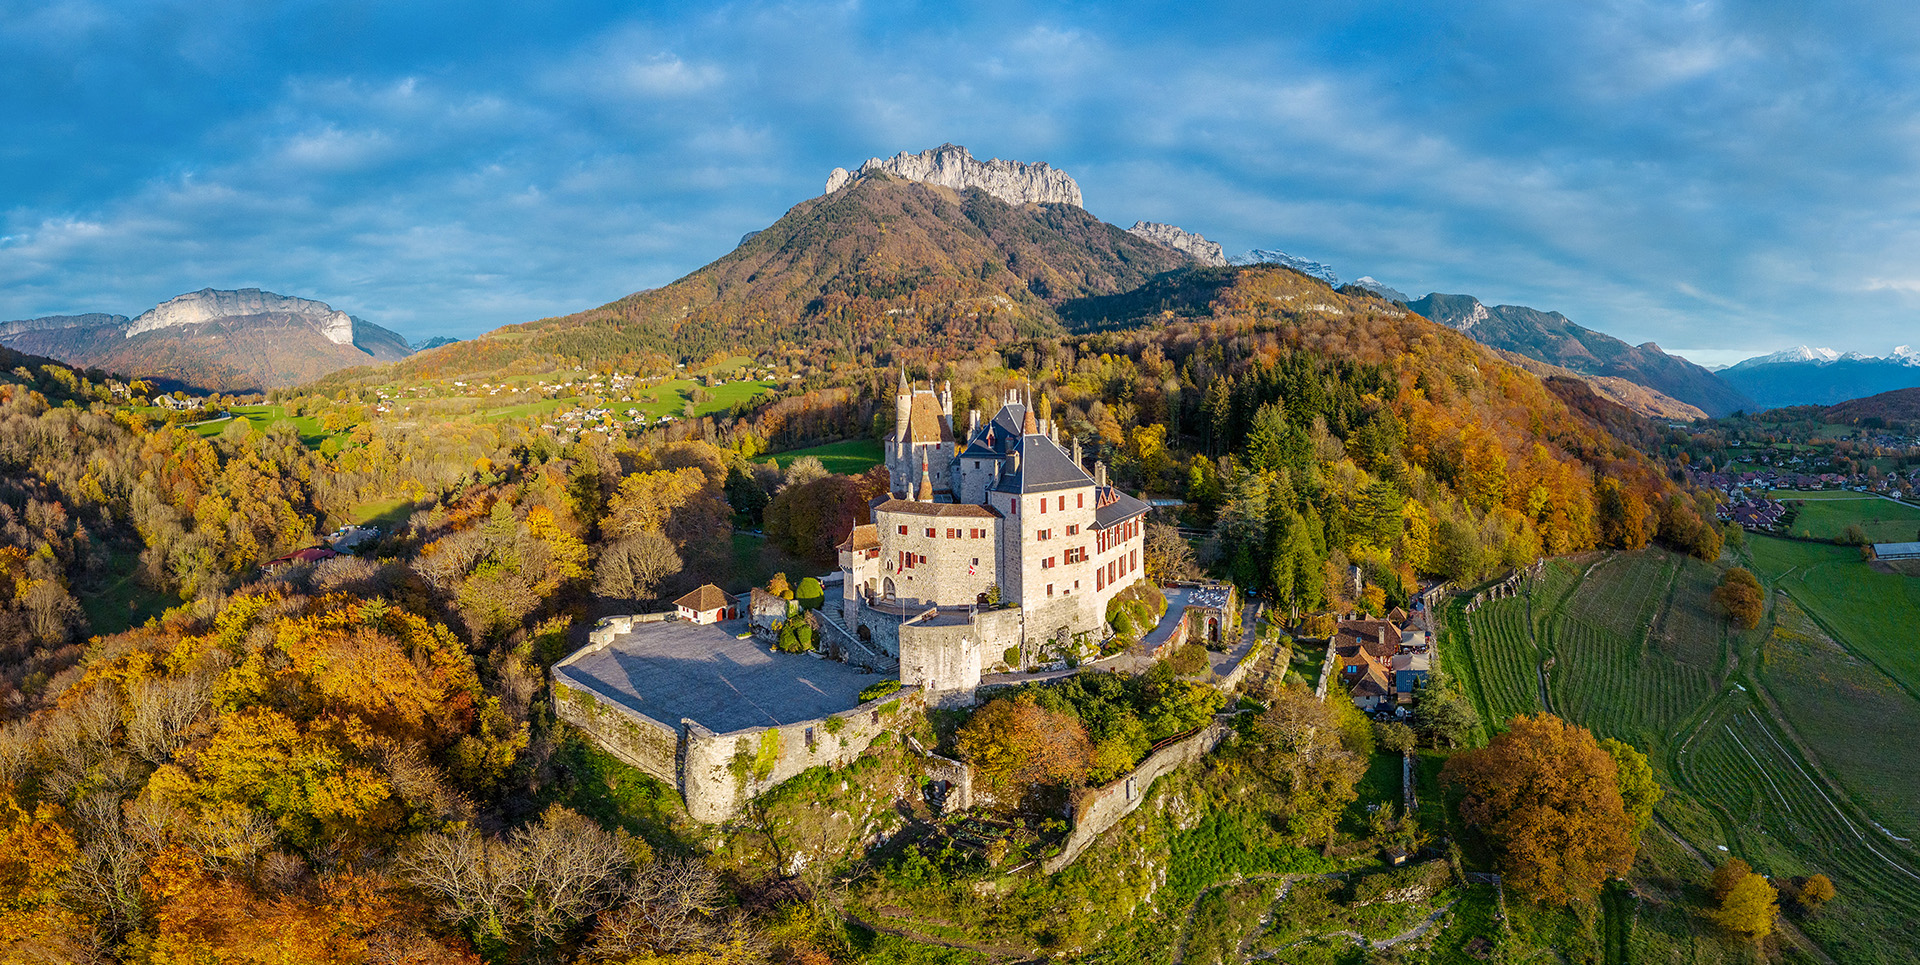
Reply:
x=1077, y=464
x=1100, y=474
x=973, y=421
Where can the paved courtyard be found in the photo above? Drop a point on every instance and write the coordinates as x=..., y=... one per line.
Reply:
x=677, y=669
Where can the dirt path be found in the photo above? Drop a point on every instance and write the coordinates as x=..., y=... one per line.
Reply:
x=1412, y=934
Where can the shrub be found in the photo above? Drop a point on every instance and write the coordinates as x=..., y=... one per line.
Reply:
x=879, y=690
x=1189, y=659
x=810, y=594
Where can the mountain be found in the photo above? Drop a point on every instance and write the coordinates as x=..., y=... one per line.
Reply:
x=1180, y=239
x=1377, y=287
x=1554, y=339
x=434, y=342
x=1899, y=405
x=881, y=262
x=213, y=341
x=1651, y=403
x=1821, y=376
x=1264, y=256
x=952, y=166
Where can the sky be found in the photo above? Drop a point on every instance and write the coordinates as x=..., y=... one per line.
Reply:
x=1726, y=179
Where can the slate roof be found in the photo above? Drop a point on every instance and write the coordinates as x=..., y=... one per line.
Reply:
x=999, y=436
x=708, y=597
x=1044, y=467
x=1112, y=506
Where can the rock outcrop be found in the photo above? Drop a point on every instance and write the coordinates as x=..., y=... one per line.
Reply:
x=208, y=304
x=950, y=166
x=1180, y=239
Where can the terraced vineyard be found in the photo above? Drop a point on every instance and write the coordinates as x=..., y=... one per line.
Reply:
x=1606, y=672
x=1785, y=821
x=1779, y=745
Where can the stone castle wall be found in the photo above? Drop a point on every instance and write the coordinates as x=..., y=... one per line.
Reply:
x=721, y=772
x=633, y=737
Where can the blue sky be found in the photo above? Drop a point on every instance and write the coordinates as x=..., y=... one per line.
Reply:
x=1736, y=177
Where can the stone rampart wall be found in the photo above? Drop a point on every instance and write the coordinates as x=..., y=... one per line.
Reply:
x=1097, y=809
x=626, y=733
x=721, y=772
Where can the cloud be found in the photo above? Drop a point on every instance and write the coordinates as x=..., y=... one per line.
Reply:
x=449, y=168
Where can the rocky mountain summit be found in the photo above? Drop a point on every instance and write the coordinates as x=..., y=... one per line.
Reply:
x=208, y=304
x=1180, y=239
x=951, y=166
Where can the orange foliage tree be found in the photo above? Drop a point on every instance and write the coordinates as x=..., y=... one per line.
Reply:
x=1547, y=797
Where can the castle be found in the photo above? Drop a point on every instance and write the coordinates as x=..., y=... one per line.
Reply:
x=999, y=550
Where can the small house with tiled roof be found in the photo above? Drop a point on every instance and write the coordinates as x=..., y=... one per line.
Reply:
x=708, y=604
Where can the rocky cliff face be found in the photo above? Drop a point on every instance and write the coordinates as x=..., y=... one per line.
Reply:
x=950, y=166
x=207, y=304
x=1180, y=239
x=57, y=322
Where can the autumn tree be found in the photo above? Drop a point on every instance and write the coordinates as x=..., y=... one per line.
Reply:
x=1745, y=902
x=1815, y=892
x=1546, y=796
x=1299, y=746
x=1740, y=597
x=1018, y=746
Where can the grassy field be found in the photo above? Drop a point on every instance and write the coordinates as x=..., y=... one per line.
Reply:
x=381, y=512
x=1780, y=744
x=1856, y=722
x=123, y=602
x=1883, y=520
x=849, y=457
x=1874, y=614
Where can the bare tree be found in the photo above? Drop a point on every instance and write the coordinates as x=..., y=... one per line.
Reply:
x=160, y=709
x=632, y=568
x=1169, y=555
x=669, y=908
x=569, y=868
x=473, y=874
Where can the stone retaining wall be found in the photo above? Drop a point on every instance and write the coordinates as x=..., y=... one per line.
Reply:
x=1097, y=809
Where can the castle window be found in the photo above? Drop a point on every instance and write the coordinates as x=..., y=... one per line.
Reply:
x=953, y=534
x=1073, y=530
x=903, y=531
x=1043, y=504
x=1099, y=579
x=929, y=531
x=923, y=558
x=1079, y=500
x=1049, y=589
x=1043, y=534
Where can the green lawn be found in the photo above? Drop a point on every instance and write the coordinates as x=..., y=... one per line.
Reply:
x=1884, y=520
x=263, y=416
x=849, y=457
x=381, y=512
x=755, y=560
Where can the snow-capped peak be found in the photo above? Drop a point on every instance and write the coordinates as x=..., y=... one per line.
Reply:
x=1906, y=353
x=1798, y=353
x=1304, y=266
